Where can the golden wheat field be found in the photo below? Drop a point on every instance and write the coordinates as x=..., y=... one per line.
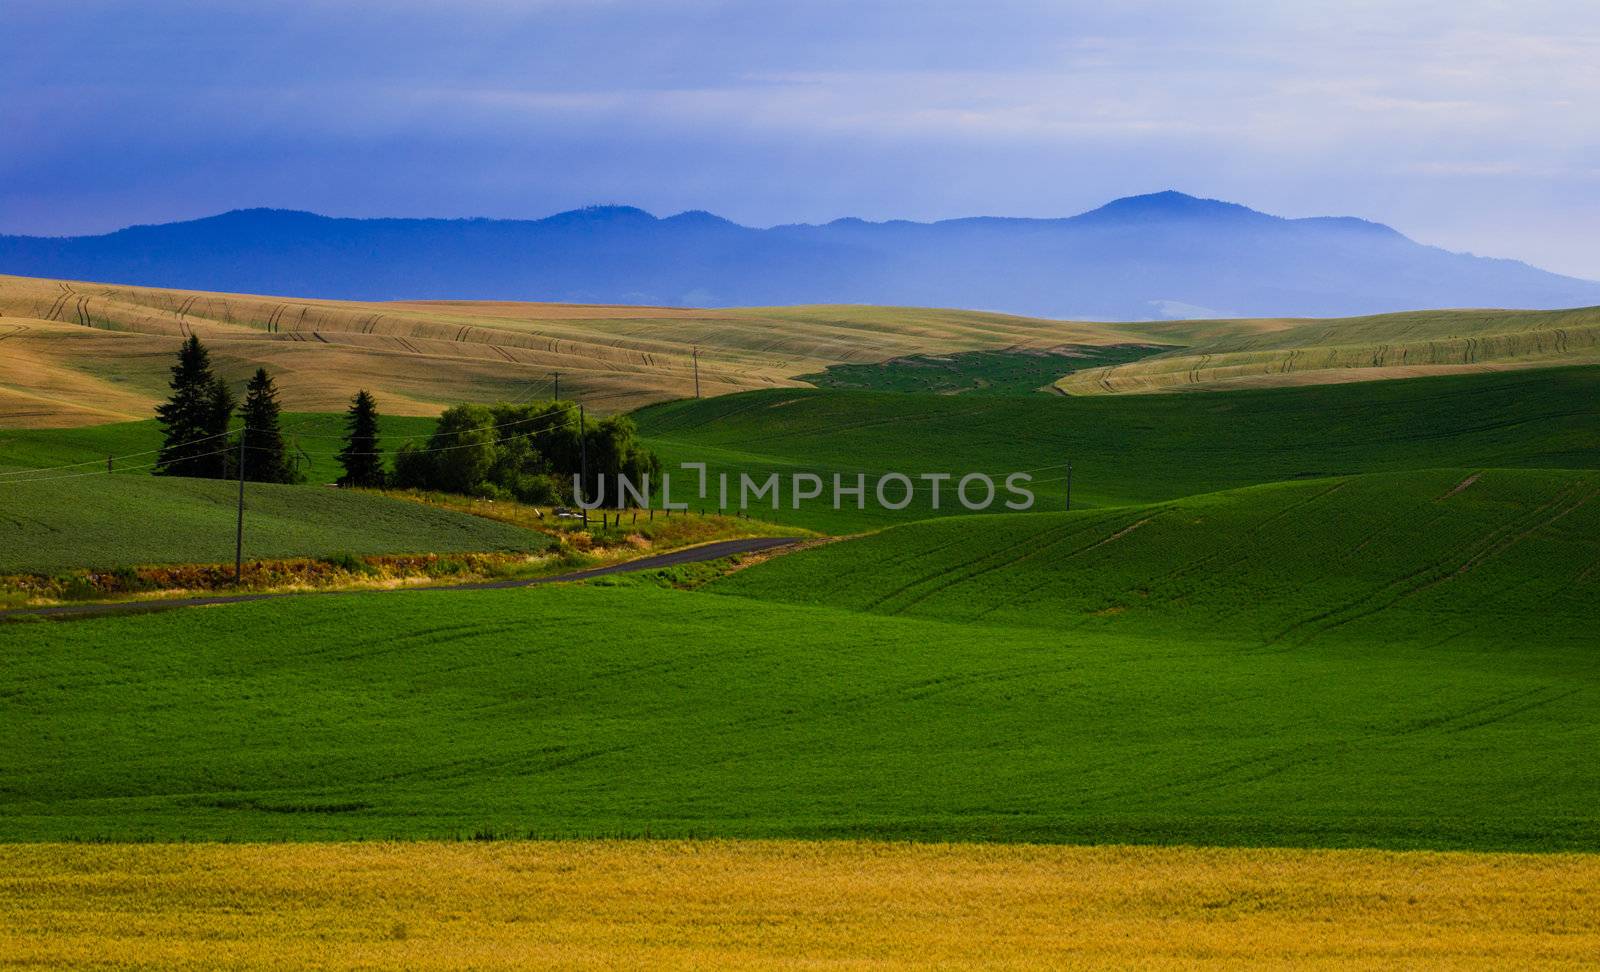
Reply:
x=788, y=905
x=1273, y=353
x=80, y=354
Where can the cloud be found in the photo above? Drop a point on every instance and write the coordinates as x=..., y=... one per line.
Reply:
x=778, y=112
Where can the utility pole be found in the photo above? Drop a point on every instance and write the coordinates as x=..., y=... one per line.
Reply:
x=697, y=372
x=583, y=465
x=238, y=536
x=1069, y=485
x=557, y=396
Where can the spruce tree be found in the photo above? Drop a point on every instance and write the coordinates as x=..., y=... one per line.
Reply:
x=186, y=417
x=220, y=418
x=363, y=466
x=266, y=458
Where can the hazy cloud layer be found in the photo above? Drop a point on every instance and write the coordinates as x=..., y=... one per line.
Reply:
x=1471, y=124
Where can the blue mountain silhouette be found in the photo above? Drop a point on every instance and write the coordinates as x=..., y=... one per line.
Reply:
x=1163, y=254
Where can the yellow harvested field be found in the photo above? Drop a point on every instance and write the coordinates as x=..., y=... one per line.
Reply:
x=1223, y=354
x=79, y=353
x=788, y=905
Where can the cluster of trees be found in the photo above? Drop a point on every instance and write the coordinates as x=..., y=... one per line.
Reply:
x=530, y=452
x=197, y=420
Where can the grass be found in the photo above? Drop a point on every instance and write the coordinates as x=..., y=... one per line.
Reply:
x=76, y=517
x=1135, y=449
x=660, y=530
x=315, y=439
x=102, y=522
x=783, y=905
x=639, y=711
x=1483, y=558
x=1007, y=372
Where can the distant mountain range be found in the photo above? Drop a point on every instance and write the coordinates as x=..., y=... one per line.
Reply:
x=1142, y=257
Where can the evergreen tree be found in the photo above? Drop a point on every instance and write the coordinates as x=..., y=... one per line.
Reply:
x=266, y=458
x=186, y=417
x=222, y=404
x=363, y=466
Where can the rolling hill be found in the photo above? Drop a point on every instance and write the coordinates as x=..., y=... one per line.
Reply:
x=1136, y=449
x=1478, y=558
x=1161, y=255
x=80, y=354
x=1266, y=353
x=973, y=682
x=100, y=522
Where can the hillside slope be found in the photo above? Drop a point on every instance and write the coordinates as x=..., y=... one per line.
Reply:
x=1487, y=558
x=1223, y=354
x=1160, y=255
x=1137, y=448
x=338, y=717
x=71, y=520
x=76, y=354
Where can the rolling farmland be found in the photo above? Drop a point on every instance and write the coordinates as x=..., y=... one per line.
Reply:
x=1223, y=354
x=1352, y=616
x=1137, y=449
x=781, y=904
x=1016, y=371
x=313, y=437
x=122, y=520
x=1460, y=557
x=822, y=545
x=1171, y=721
x=82, y=354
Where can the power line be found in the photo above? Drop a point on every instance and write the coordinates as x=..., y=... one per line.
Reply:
x=34, y=470
x=254, y=448
x=468, y=445
x=425, y=435
x=103, y=472
x=93, y=462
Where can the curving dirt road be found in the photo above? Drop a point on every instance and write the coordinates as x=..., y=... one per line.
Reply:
x=688, y=555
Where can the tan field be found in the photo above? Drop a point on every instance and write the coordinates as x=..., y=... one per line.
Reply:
x=81, y=354
x=788, y=905
x=1271, y=353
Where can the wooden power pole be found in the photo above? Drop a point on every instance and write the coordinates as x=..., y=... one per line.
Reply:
x=238, y=535
x=583, y=466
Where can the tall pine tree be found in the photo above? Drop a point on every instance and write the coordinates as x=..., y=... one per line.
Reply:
x=222, y=402
x=187, y=417
x=363, y=466
x=266, y=458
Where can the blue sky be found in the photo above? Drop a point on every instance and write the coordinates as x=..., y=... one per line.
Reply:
x=1470, y=124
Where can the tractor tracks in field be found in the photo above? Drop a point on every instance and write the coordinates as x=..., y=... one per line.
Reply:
x=976, y=567
x=1263, y=766
x=1463, y=485
x=1442, y=569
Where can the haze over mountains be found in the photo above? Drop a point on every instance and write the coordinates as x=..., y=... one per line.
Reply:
x=1161, y=255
